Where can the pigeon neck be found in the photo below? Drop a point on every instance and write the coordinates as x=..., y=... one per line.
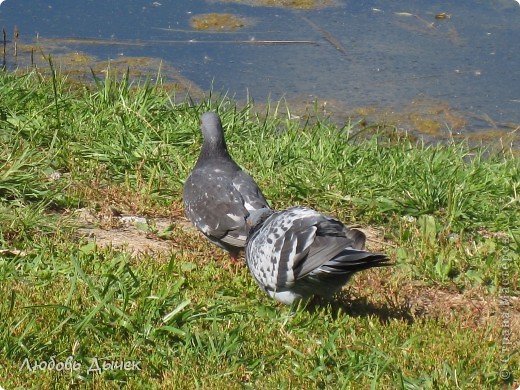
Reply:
x=214, y=148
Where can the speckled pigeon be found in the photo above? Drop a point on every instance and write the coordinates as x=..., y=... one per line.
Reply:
x=297, y=253
x=218, y=195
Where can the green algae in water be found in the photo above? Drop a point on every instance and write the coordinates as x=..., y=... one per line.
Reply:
x=218, y=22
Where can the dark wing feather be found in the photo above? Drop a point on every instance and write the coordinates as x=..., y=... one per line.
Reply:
x=329, y=240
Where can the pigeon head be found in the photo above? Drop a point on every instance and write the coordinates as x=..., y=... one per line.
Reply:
x=257, y=217
x=212, y=130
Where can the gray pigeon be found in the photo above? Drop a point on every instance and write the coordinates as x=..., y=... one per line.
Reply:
x=218, y=195
x=297, y=253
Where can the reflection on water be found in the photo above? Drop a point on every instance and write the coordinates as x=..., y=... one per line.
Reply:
x=439, y=68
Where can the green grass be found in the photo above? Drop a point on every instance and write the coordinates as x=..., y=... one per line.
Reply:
x=451, y=213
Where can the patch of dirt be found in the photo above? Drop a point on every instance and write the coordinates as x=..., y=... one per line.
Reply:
x=375, y=293
x=135, y=235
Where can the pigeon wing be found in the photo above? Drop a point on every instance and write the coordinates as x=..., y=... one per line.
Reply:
x=302, y=250
x=218, y=208
x=331, y=237
x=246, y=187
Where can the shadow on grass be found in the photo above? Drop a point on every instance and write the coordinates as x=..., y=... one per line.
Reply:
x=345, y=304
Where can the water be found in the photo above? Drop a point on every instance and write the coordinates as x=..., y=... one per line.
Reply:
x=390, y=60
